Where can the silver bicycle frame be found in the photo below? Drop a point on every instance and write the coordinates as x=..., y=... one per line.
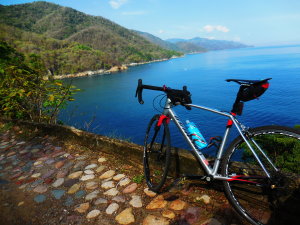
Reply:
x=212, y=171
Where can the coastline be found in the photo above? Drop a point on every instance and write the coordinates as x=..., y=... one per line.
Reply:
x=113, y=69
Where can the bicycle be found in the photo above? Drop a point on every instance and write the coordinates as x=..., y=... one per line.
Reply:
x=259, y=170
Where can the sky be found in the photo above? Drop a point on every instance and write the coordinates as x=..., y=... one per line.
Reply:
x=253, y=22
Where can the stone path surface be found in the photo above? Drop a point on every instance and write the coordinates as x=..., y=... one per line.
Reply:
x=43, y=181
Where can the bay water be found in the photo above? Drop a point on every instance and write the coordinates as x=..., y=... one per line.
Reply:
x=107, y=106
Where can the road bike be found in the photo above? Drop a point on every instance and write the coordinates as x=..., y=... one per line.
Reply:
x=259, y=169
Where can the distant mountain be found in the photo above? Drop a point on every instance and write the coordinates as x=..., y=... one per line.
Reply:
x=179, y=45
x=209, y=44
x=44, y=24
x=195, y=45
x=188, y=47
x=156, y=40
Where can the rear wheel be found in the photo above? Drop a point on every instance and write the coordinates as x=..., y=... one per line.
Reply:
x=259, y=199
x=157, y=153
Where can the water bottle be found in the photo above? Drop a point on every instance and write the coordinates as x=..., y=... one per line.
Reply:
x=195, y=134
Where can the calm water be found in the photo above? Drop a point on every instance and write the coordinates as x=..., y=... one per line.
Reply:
x=107, y=105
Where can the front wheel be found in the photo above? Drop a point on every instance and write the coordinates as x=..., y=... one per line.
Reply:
x=157, y=153
x=258, y=198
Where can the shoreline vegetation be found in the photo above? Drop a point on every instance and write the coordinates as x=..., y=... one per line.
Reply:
x=113, y=69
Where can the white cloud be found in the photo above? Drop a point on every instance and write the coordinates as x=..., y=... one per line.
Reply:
x=211, y=28
x=161, y=31
x=222, y=28
x=115, y=4
x=208, y=28
x=134, y=13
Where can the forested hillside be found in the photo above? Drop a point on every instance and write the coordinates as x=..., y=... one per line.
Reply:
x=69, y=41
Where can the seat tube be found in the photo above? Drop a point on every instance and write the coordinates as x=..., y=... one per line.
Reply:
x=167, y=107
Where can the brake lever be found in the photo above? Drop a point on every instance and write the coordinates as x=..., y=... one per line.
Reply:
x=187, y=94
x=139, y=91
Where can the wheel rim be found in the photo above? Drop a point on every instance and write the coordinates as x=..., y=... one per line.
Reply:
x=259, y=198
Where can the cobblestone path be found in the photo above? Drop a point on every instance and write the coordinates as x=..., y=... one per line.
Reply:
x=44, y=182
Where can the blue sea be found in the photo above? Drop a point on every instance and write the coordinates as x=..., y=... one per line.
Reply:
x=107, y=106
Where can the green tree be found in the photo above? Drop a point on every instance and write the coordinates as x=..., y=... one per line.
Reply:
x=24, y=94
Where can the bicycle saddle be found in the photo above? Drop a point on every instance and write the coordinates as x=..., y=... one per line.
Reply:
x=247, y=82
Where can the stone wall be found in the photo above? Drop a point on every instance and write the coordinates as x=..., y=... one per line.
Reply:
x=95, y=142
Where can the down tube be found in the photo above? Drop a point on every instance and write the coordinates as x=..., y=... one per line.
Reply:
x=200, y=157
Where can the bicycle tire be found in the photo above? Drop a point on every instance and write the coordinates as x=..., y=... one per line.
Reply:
x=266, y=201
x=157, y=153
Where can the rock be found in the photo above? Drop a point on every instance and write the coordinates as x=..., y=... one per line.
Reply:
x=124, y=181
x=119, y=198
x=88, y=172
x=204, y=198
x=61, y=174
x=91, y=166
x=10, y=154
x=112, y=192
x=157, y=203
x=87, y=177
x=101, y=159
x=118, y=177
x=22, y=186
x=82, y=157
x=100, y=169
x=113, y=207
x=92, y=214
x=59, y=164
x=50, y=161
x=125, y=217
x=37, y=163
x=58, y=193
x=80, y=194
x=22, y=177
x=36, y=175
x=107, y=179
x=74, y=189
x=155, y=220
x=177, y=204
x=39, y=198
x=149, y=192
x=40, y=189
x=92, y=195
x=68, y=165
x=91, y=185
x=79, y=164
x=191, y=215
x=108, y=185
x=36, y=183
x=131, y=188
x=69, y=183
x=82, y=208
x=136, y=201
x=107, y=174
x=58, y=182
x=48, y=174
x=20, y=203
x=75, y=175
x=101, y=201
x=168, y=214
x=48, y=180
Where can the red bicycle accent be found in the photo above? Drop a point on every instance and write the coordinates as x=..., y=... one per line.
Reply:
x=236, y=178
x=161, y=119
